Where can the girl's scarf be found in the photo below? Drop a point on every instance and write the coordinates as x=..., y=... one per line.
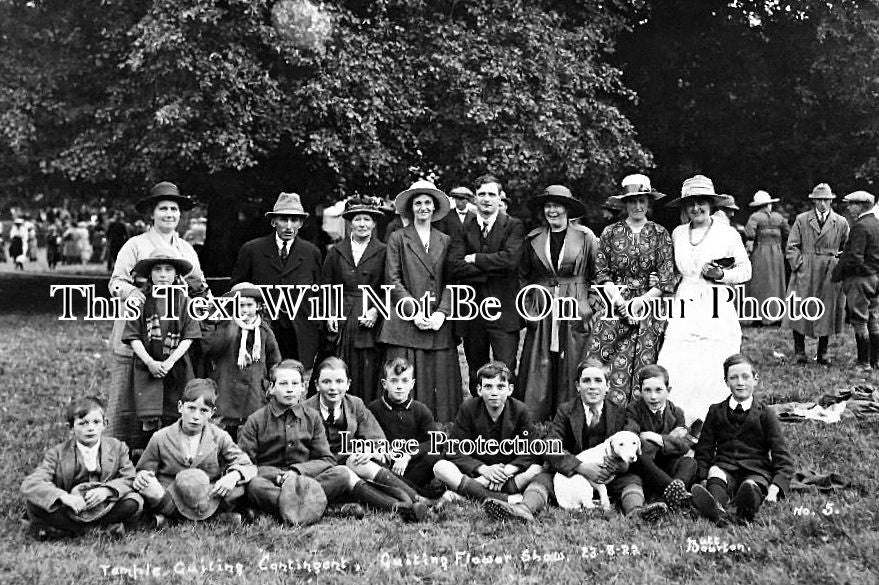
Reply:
x=245, y=358
x=160, y=347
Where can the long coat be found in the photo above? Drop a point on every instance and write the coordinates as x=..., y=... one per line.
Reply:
x=572, y=277
x=414, y=272
x=812, y=253
x=768, y=230
x=259, y=262
x=495, y=272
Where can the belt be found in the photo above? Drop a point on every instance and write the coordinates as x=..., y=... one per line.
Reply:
x=551, y=282
x=825, y=252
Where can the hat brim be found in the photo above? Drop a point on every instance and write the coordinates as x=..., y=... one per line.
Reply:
x=762, y=203
x=302, y=501
x=714, y=200
x=375, y=213
x=302, y=214
x=402, y=202
x=574, y=206
x=95, y=512
x=826, y=197
x=143, y=267
x=147, y=204
x=207, y=505
x=252, y=293
x=654, y=195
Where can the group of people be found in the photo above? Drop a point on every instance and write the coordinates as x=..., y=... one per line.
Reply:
x=170, y=376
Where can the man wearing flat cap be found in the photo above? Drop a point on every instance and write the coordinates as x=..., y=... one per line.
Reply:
x=814, y=244
x=858, y=271
x=456, y=218
x=283, y=258
x=485, y=254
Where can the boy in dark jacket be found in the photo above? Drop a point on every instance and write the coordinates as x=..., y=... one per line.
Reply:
x=741, y=450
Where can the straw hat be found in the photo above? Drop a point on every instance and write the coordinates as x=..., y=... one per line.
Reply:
x=635, y=185
x=403, y=201
x=697, y=186
x=728, y=202
x=822, y=191
x=164, y=191
x=162, y=256
x=191, y=492
x=762, y=198
x=288, y=204
x=561, y=195
x=360, y=205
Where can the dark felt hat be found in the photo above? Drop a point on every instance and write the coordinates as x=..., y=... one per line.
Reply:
x=561, y=195
x=162, y=256
x=164, y=191
x=363, y=205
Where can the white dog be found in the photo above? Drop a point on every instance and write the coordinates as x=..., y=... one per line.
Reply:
x=614, y=455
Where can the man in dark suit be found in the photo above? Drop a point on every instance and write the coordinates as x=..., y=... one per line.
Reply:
x=858, y=270
x=458, y=216
x=282, y=258
x=485, y=254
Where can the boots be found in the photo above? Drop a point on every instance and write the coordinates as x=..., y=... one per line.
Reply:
x=863, y=345
x=800, y=348
x=874, y=350
x=823, y=342
x=379, y=500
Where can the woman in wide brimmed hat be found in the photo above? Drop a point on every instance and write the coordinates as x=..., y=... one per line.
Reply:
x=559, y=256
x=767, y=231
x=415, y=266
x=355, y=262
x=162, y=206
x=629, y=252
x=706, y=253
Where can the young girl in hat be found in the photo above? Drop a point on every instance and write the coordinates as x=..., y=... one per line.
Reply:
x=160, y=344
x=243, y=351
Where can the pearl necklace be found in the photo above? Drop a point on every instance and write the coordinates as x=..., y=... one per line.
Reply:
x=705, y=235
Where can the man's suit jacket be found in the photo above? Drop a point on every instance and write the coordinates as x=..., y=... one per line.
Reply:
x=495, y=272
x=639, y=419
x=861, y=254
x=217, y=455
x=413, y=272
x=359, y=420
x=473, y=421
x=452, y=223
x=567, y=427
x=259, y=262
x=55, y=475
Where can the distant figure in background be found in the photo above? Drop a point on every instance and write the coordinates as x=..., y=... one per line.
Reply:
x=463, y=210
x=726, y=211
x=53, y=244
x=768, y=231
x=117, y=234
x=815, y=242
x=18, y=242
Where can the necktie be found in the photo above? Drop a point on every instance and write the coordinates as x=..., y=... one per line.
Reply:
x=596, y=415
x=485, y=230
x=739, y=414
x=284, y=253
x=331, y=418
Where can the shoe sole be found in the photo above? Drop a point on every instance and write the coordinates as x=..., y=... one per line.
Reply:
x=501, y=513
x=654, y=512
x=675, y=495
x=705, y=503
x=747, y=502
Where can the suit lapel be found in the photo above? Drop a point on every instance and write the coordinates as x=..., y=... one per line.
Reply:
x=206, y=446
x=271, y=253
x=538, y=244
x=68, y=464
x=578, y=419
x=350, y=418
x=471, y=233
x=294, y=259
x=372, y=249
x=109, y=462
x=613, y=417
x=414, y=244
x=346, y=252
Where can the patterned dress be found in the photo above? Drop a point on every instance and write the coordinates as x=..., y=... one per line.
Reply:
x=627, y=259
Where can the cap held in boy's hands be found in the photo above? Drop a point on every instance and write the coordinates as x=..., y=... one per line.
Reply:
x=96, y=511
x=191, y=492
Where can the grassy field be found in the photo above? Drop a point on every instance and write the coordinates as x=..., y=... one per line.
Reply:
x=44, y=362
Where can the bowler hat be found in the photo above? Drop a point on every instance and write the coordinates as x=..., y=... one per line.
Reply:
x=302, y=500
x=635, y=185
x=191, y=492
x=245, y=289
x=762, y=198
x=403, y=201
x=288, y=204
x=162, y=256
x=164, y=191
x=822, y=191
x=561, y=195
x=358, y=205
x=96, y=511
x=859, y=197
x=697, y=186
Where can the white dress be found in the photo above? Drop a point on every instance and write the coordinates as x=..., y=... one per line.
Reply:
x=696, y=344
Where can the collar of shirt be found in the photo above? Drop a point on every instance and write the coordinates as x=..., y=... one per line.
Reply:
x=358, y=248
x=822, y=216
x=279, y=411
x=746, y=405
x=461, y=214
x=279, y=243
x=659, y=412
x=872, y=211
x=325, y=411
x=396, y=405
x=588, y=410
x=89, y=455
x=486, y=221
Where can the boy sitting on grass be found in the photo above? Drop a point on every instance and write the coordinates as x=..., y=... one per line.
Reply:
x=85, y=481
x=741, y=450
x=493, y=477
x=663, y=465
x=402, y=418
x=165, y=475
x=286, y=440
x=370, y=482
